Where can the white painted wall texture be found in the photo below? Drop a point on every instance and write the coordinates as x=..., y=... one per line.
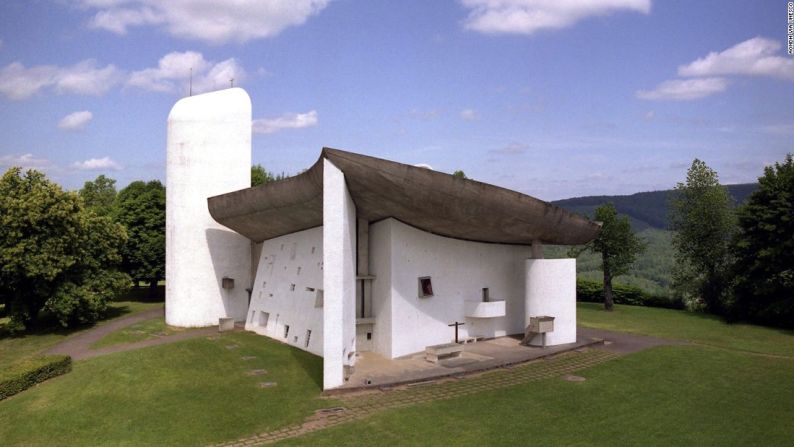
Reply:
x=208, y=153
x=459, y=270
x=289, y=278
x=339, y=279
x=551, y=290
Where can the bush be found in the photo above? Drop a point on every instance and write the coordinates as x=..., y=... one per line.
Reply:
x=593, y=292
x=29, y=372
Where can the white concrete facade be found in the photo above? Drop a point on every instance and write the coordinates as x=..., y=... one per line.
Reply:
x=339, y=277
x=406, y=323
x=287, y=297
x=551, y=290
x=208, y=153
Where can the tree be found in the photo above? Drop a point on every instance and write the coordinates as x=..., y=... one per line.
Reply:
x=459, y=174
x=702, y=218
x=140, y=207
x=618, y=246
x=99, y=195
x=764, y=250
x=260, y=176
x=53, y=253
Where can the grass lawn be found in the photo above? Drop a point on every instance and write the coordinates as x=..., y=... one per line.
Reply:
x=145, y=330
x=193, y=392
x=680, y=396
x=681, y=325
x=15, y=348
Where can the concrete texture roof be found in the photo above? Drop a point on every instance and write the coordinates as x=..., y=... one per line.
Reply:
x=432, y=201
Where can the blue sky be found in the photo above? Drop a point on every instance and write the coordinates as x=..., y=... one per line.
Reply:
x=552, y=98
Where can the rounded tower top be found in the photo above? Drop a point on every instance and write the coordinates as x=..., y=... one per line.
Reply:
x=231, y=104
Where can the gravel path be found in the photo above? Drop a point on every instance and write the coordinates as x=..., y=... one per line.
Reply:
x=79, y=346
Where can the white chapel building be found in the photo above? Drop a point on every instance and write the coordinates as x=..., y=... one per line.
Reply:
x=356, y=253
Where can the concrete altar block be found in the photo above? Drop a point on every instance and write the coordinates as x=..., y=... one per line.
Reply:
x=439, y=352
x=225, y=324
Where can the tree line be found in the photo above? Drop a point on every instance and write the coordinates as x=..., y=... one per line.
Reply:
x=733, y=261
x=69, y=253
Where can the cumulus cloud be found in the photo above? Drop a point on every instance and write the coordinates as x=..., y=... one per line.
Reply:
x=469, y=115
x=753, y=57
x=530, y=16
x=76, y=120
x=286, y=121
x=173, y=73
x=25, y=161
x=684, y=89
x=204, y=20
x=84, y=78
x=97, y=164
x=424, y=165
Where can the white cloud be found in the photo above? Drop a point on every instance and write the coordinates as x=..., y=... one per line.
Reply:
x=753, y=57
x=684, y=89
x=530, y=16
x=84, y=78
x=424, y=165
x=205, y=20
x=96, y=164
x=25, y=161
x=76, y=120
x=173, y=73
x=469, y=115
x=286, y=121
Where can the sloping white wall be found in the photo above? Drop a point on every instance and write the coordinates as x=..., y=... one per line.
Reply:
x=458, y=269
x=208, y=153
x=289, y=266
x=339, y=278
x=551, y=290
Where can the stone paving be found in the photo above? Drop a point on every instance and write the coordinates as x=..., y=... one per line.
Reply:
x=360, y=405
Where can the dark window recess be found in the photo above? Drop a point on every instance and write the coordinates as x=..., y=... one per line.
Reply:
x=485, y=295
x=425, y=287
x=286, y=330
x=308, y=337
x=369, y=335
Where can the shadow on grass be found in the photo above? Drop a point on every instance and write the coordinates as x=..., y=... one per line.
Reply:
x=310, y=363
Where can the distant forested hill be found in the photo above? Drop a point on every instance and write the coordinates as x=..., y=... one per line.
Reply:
x=645, y=209
x=648, y=214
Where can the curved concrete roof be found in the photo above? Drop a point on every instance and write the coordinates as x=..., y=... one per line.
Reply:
x=432, y=201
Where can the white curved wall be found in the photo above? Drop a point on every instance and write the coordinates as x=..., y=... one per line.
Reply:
x=208, y=153
x=406, y=323
x=551, y=290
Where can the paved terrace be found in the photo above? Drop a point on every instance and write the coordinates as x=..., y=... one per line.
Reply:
x=373, y=370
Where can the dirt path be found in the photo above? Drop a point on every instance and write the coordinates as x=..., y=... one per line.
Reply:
x=79, y=346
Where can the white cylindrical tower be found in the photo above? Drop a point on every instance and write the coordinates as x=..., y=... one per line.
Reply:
x=551, y=291
x=209, y=153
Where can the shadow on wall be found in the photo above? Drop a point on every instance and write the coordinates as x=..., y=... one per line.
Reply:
x=231, y=257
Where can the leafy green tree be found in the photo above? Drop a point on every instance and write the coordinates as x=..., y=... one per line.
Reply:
x=703, y=221
x=53, y=253
x=260, y=176
x=764, y=250
x=459, y=174
x=618, y=246
x=99, y=195
x=140, y=207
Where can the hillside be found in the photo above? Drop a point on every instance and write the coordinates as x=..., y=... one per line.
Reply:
x=647, y=212
x=645, y=209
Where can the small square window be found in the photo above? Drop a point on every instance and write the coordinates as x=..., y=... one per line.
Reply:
x=425, y=287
